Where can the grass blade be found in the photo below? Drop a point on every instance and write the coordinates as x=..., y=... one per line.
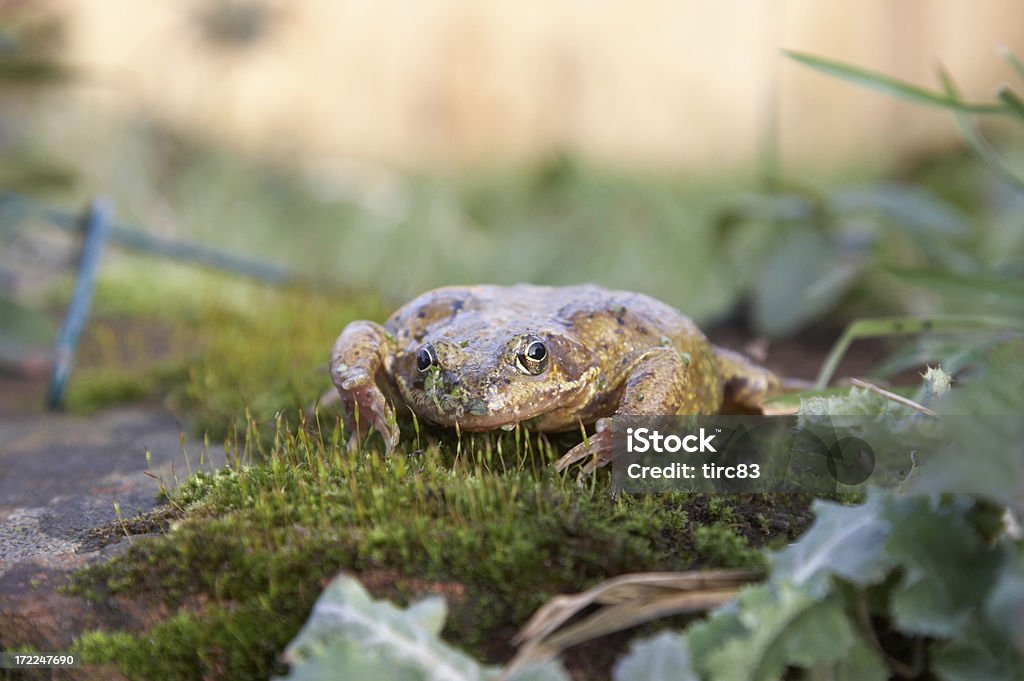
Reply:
x=883, y=327
x=1012, y=59
x=892, y=86
x=984, y=288
x=1012, y=101
x=978, y=144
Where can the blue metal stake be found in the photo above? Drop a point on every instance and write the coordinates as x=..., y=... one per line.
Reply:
x=15, y=209
x=96, y=227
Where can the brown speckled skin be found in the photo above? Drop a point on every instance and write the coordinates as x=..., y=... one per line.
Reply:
x=609, y=352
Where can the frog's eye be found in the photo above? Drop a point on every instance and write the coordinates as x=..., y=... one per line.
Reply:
x=426, y=358
x=534, y=357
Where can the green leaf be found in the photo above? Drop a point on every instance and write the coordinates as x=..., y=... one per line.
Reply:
x=969, y=660
x=1012, y=59
x=952, y=352
x=705, y=636
x=978, y=144
x=846, y=402
x=821, y=636
x=1005, y=606
x=987, y=458
x=844, y=541
x=861, y=663
x=349, y=635
x=801, y=279
x=785, y=626
x=911, y=208
x=980, y=290
x=664, y=657
x=539, y=671
x=766, y=613
x=1012, y=101
x=882, y=327
x=947, y=570
x=891, y=86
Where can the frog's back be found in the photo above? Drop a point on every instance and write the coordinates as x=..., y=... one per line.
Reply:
x=592, y=313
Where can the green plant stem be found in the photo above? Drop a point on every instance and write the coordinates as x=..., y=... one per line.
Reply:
x=883, y=327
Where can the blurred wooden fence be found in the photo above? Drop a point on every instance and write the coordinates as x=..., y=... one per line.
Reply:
x=438, y=83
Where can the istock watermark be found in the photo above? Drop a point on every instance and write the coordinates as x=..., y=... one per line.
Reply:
x=819, y=454
x=642, y=440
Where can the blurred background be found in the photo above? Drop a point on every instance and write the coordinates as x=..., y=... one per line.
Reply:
x=382, y=148
x=456, y=84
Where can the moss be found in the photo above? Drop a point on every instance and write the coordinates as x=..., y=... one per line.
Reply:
x=483, y=521
x=722, y=546
x=257, y=349
x=102, y=388
x=720, y=509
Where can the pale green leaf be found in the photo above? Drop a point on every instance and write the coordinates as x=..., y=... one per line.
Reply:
x=663, y=657
x=767, y=613
x=1004, y=609
x=844, y=541
x=802, y=278
x=985, y=291
x=705, y=636
x=350, y=635
x=786, y=627
x=988, y=457
x=860, y=663
x=910, y=208
x=822, y=635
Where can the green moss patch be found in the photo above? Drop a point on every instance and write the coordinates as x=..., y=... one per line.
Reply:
x=214, y=349
x=485, y=522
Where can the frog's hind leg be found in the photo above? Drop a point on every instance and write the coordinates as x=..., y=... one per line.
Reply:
x=747, y=384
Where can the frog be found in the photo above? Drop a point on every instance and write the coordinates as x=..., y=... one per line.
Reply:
x=552, y=358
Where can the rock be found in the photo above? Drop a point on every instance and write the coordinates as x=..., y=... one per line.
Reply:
x=60, y=477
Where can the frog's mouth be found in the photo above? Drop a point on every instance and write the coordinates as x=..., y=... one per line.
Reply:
x=445, y=401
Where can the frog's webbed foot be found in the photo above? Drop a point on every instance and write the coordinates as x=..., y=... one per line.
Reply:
x=596, y=449
x=365, y=408
x=357, y=357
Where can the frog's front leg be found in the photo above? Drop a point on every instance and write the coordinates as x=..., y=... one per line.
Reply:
x=359, y=356
x=661, y=382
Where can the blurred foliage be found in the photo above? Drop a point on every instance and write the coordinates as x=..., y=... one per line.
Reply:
x=29, y=61
x=367, y=228
x=889, y=247
x=799, y=256
x=953, y=244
